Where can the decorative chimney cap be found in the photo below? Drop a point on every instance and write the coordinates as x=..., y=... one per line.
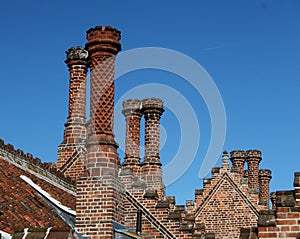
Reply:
x=237, y=154
x=253, y=154
x=103, y=29
x=265, y=173
x=154, y=105
x=77, y=53
x=131, y=105
x=103, y=39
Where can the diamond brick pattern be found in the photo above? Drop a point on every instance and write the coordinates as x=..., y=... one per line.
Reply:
x=99, y=200
x=102, y=95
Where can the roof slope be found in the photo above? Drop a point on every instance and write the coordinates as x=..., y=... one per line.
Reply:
x=22, y=207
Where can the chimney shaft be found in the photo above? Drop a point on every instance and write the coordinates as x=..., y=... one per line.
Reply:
x=75, y=131
x=253, y=158
x=152, y=109
x=237, y=158
x=264, y=187
x=103, y=44
x=102, y=161
x=132, y=113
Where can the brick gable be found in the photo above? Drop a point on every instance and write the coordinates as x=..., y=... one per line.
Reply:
x=226, y=209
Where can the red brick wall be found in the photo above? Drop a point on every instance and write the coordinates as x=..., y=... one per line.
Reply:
x=284, y=221
x=98, y=202
x=226, y=212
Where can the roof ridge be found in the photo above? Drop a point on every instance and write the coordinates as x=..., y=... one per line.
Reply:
x=28, y=158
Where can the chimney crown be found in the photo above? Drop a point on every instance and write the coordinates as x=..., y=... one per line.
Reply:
x=237, y=154
x=265, y=173
x=253, y=154
x=104, y=39
x=152, y=105
x=131, y=106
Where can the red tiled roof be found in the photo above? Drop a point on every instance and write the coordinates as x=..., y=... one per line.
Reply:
x=22, y=207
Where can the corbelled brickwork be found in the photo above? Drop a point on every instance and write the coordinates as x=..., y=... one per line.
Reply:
x=75, y=132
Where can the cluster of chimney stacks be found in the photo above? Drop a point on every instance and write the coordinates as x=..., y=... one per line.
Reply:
x=133, y=110
x=100, y=161
x=258, y=179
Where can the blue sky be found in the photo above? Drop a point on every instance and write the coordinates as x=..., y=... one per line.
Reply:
x=250, y=49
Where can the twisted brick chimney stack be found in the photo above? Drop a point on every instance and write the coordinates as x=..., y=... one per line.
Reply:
x=99, y=192
x=237, y=158
x=264, y=187
x=132, y=113
x=253, y=158
x=152, y=110
x=75, y=131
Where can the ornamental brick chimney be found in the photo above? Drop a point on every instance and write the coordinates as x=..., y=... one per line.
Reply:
x=75, y=131
x=152, y=109
x=99, y=191
x=253, y=158
x=237, y=158
x=103, y=45
x=132, y=113
x=264, y=187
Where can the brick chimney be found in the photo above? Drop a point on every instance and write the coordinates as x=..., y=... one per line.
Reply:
x=237, y=158
x=152, y=109
x=253, y=158
x=99, y=191
x=75, y=131
x=103, y=45
x=264, y=187
x=132, y=113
